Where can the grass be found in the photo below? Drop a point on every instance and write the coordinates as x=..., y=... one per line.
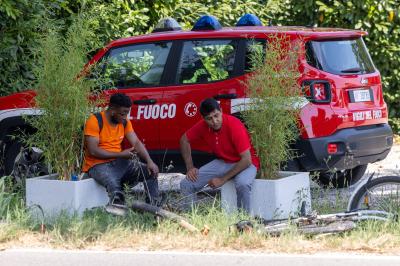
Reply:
x=137, y=231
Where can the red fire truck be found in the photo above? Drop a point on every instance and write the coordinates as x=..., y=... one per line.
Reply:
x=169, y=72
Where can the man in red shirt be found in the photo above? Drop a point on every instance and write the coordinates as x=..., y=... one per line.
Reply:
x=229, y=140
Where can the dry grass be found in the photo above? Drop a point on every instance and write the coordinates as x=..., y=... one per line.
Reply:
x=128, y=234
x=164, y=241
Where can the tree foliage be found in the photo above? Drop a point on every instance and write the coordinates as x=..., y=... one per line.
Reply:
x=20, y=22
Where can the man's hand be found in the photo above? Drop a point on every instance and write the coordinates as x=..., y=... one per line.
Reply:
x=192, y=174
x=127, y=153
x=216, y=182
x=153, y=169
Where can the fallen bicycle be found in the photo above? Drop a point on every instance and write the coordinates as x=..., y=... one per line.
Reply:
x=316, y=224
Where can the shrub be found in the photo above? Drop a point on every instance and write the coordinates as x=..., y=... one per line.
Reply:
x=62, y=96
x=273, y=111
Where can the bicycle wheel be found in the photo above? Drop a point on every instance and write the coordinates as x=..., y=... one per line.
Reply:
x=382, y=193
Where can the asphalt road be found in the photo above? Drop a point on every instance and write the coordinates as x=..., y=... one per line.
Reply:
x=21, y=257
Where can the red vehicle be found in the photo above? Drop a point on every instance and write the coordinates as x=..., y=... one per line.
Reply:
x=169, y=72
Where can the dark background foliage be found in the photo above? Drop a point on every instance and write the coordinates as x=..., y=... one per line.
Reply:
x=22, y=20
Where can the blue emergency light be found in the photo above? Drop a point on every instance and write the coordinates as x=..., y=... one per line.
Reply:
x=207, y=22
x=249, y=20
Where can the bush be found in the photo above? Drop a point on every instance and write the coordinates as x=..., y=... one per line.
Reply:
x=62, y=96
x=19, y=23
x=273, y=111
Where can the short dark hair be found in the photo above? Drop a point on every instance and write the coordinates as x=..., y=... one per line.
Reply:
x=120, y=100
x=209, y=105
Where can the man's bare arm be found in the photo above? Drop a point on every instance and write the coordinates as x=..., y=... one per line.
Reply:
x=191, y=171
x=138, y=146
x=142, y=151
x=92, y=144
x=243, y=163
x=186, y=152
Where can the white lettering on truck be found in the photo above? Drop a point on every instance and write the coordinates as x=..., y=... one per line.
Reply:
x=156, y=111
x=367, y=115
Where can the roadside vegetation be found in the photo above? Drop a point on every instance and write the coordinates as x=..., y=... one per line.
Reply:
x=142, y=231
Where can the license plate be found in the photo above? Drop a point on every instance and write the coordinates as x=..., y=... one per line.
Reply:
x=357, y=96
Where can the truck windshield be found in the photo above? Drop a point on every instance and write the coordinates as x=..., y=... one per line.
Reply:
x=342, y=57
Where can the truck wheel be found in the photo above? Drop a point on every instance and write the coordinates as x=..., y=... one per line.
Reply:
x=23, y=162
x=343, y=178
x=12, y=152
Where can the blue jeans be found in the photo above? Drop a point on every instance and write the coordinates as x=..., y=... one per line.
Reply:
x=113, y=175
x=217, y=168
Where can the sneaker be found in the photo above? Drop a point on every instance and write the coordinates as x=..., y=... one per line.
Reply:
x=117, y=199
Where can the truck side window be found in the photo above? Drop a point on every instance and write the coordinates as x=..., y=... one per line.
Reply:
x=255, y=51
x=136, y=65
x=205, y=61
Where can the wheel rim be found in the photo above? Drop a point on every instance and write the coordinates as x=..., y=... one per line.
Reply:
x=29, y=163
x=385, y=196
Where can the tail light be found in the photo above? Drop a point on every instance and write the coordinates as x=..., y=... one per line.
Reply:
x=317, y=91
x=332, y=148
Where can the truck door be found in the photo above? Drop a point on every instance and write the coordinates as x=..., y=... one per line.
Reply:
x=137, y=70
x=204, y=68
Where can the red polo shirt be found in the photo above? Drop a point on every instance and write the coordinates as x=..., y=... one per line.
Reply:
x=227, y=143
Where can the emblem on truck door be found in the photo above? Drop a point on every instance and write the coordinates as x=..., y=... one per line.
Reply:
x=190, y=109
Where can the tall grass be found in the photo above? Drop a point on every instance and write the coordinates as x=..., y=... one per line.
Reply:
x=272, y=113
x=62, y=95
x=13, y=216
x=11, y=201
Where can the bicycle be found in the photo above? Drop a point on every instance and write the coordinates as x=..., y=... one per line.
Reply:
x=374, y=199
x=325, y=223
x=382, y=193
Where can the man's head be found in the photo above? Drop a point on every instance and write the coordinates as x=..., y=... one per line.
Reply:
x=119, y=107
x=211, y=112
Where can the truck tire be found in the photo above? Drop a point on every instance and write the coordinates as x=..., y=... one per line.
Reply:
x=23, y=163
x=343, y=178
x=13, y=149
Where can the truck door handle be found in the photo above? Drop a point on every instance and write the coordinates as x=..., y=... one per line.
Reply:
x=225, y=96
x=145, y=102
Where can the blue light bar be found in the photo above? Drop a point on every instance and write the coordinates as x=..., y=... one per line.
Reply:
x=249, y=20
x=207, y=22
